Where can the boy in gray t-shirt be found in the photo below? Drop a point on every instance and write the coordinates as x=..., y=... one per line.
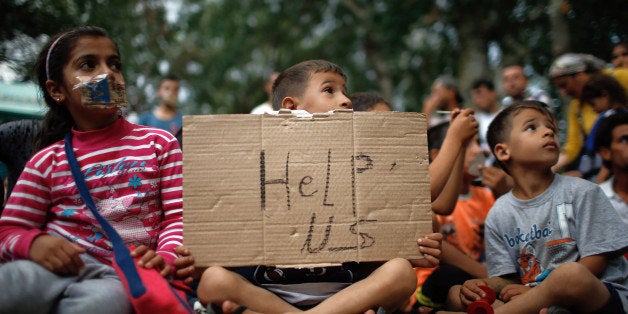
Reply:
x=553, y=240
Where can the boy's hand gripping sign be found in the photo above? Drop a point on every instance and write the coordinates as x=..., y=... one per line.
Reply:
x=288, y=190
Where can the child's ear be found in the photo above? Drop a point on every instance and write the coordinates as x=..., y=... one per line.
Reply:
x=289, y=103
x=501, y=151
x=54, y=90
x=605, y=153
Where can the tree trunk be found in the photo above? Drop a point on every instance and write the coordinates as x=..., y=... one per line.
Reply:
x=557, y=11
x=473, y=58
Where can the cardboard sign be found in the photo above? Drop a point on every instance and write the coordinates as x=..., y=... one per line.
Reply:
x=287, y=190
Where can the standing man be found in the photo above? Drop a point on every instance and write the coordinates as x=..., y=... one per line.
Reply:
x=484, y=97
x=166, y=115
x=515, y=85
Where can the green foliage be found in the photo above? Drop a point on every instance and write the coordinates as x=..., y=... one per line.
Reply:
x=223, y=50
x=595, y=27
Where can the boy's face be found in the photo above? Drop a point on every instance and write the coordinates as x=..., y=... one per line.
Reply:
x=532, y=141
x=619, y=56
x=168, y=92
x=325, y=91
x=617, y=153
x=514, y=80
x=484, y=98
x=601, y=104
x=472, y=155
x=441, y=94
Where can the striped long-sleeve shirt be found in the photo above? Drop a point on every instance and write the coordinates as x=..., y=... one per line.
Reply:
x=134, y=175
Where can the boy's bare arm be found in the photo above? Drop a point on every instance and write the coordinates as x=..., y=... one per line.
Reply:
x=446, y=201
x=463, y=128
x=453, y=256
x=595, y=263
x=498, y=283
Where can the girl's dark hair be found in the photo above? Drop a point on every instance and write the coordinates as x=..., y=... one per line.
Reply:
x=49, y=66
x=600, y=83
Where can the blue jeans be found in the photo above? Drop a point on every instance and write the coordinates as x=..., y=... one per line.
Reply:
x=27, y=287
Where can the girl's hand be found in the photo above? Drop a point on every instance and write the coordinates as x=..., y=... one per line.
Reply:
x=57, y=255
x=150, y=259
x=430, y=247
x=184, y=264
x=512, y=291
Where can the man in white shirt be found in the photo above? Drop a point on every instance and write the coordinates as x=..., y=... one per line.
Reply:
x=515, y=85
x=611, y=142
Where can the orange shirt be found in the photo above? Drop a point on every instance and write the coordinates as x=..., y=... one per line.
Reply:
x=464, y=228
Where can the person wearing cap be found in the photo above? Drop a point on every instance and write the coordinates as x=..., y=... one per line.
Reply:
x=444, y=96
x=569, y=73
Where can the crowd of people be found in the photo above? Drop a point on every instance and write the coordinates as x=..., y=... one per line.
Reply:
x=543, y=226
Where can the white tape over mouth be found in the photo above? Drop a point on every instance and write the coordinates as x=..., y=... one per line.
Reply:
x=101, y=91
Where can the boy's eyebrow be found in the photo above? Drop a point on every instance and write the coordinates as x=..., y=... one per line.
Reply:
x=329, y=81
x=529, y=120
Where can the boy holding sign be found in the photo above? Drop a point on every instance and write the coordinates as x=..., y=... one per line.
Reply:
x=318, y=86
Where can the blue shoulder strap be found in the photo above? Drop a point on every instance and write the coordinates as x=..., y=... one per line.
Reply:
x=121, y=253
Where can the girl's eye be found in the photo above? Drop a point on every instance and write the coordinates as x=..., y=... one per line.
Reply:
x=530, y=127
x=328, y=90
x=117, y=66
x=87, y=65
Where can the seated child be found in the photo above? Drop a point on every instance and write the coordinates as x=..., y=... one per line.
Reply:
x=55, y=257
x=607, y=96
x=553, y=240
x=369, y=101
x=462, y=229
x=317, y=86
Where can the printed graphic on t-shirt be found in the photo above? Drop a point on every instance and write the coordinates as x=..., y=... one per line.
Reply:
x=529, y=264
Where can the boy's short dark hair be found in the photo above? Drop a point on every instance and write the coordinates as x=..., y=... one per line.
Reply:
x=293, y=80
x=365, y=101
x=170, y=77
x=500, y=127
x=483, y=82
x=604, y=134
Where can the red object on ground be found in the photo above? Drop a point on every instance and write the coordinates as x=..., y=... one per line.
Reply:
x=483, y=305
